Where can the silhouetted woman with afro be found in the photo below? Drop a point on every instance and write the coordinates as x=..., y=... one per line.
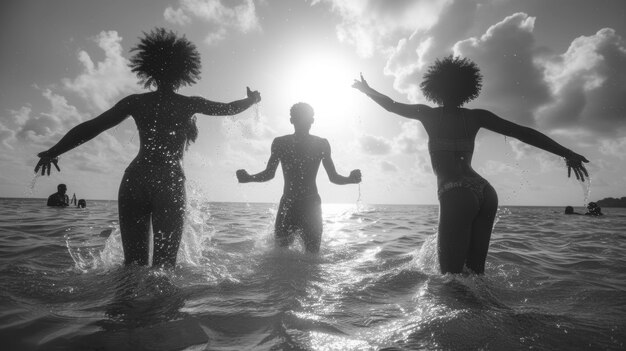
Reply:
x=467, y=202
x=153, y=187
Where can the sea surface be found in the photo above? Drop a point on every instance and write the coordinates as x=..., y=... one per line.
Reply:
x=552, y=282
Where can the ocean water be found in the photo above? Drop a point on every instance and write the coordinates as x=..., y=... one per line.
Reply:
x=553, y=282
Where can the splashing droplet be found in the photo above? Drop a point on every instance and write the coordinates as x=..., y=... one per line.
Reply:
x=586, y=187
x=31, y=186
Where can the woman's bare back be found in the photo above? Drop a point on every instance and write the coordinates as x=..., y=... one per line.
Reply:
x=164, y=121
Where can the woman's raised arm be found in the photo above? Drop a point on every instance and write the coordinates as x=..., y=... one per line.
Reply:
x=213, y=108
x=82, y=133
x=417, y=111
x=489, y=120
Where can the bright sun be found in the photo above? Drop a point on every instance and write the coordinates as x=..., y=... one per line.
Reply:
x=324, y=81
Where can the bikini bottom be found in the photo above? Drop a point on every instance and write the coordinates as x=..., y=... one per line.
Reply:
x=148, y=185
x=475, y=184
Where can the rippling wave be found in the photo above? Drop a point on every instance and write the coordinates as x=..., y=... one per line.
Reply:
x=552, y=282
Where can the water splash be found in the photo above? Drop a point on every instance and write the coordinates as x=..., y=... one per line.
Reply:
x=586, y=188
x=197, y=232
x=89, y=258
x=31, y=186
x=501, y=213
x=427, y=258
x=256, y=113
x=359, y=203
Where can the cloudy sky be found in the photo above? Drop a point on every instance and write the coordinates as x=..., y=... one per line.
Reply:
x=558, y=66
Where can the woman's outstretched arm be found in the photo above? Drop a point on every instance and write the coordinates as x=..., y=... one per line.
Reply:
x=213, y=108
x=416, y=111
x=535, y=138
x=82, y=133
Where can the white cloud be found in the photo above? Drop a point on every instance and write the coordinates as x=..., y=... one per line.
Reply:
x=615, y=148
x=41, y=129
x=103, y=82
x=512, y=80
x=412, y=54
x=372, y=25
x=176, y=16
x=387, y=166
x=21, y=116
x=6, y=136
x=98, y=85
x=103, y=152
x=412, y=139
x=373, y=145
x=215, y=37
x=494, y=168
x=221, y=15
x=576, y=94
x=255, y=127
x=589, y=84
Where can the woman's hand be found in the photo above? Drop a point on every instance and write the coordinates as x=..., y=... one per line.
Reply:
x=575, y=161
x=243, y=176
x=46, y=162
x=361, y=85
x=253, y=95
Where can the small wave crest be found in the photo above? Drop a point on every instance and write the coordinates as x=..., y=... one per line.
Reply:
x=426, y=259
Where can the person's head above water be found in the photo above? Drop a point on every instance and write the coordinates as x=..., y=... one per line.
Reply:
x=569, y=210
x=81, y=203
x=164, y=60
x=62, y=188
x=452, y=81
x=302, y=116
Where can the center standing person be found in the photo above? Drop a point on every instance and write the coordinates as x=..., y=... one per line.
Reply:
x=152, y=191
x=467, y=202
x=300, y=155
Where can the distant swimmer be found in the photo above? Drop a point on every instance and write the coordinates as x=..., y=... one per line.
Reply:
x=152, y=192
x=81, y=203
x=569, y=210
x=60, y=198
x=467, y=202
x=593, y=210
x=300, y=155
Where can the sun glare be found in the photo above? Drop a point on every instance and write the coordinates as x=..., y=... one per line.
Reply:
x=324, y=81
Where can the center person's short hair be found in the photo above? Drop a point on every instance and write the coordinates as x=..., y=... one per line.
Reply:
x=301, y=109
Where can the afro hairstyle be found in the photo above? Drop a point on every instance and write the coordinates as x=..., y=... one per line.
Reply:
x=452, y=81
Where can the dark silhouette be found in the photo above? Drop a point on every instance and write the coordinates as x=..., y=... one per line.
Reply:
x=593, y=210
x=81, y=203
x=153, y=187
x=60, y=198
x=300, y=155
x=73, y=200
x=569, y=210
x=467, y=202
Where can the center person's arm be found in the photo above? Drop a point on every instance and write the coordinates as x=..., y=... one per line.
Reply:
x=268, y=173
x=333, y=176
